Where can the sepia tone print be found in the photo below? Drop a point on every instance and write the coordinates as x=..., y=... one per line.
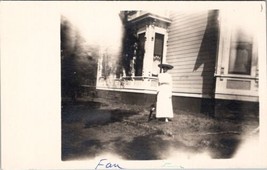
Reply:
x=111, y=63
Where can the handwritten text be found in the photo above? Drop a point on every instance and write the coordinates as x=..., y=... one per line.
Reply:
x=104, y=163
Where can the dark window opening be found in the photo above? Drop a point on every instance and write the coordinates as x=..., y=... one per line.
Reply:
x=158, y=53
x=240, y=58
x=140, y=55
x=158, y=49
x=106, y=70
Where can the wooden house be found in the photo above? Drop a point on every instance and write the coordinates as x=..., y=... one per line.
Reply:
x=214, y=54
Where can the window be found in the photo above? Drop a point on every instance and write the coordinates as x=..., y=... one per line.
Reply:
x=106, y=69
x=240, y=58
x=158, y=48
x=240, y=53
x=158, y=53
x=140, y=55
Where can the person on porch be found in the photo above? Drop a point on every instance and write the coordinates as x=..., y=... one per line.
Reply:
x=164, y=96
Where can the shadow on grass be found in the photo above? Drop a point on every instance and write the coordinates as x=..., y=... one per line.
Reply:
x=75, y=145
x=88, y=104
x=112, y=117
x=224, y=147
x=148, y=147
x=78, y=117
x=80, y=122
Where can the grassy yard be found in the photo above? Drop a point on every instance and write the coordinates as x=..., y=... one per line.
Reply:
x=91, y=128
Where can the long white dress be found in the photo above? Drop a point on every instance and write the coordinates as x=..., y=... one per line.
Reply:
x=164, y=98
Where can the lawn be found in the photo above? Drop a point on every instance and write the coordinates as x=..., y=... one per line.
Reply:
x=94, y=127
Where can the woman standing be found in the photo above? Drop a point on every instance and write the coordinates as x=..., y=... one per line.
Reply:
x=164, y=97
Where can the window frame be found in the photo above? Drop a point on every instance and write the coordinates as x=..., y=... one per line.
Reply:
x=164, y=32
x=223, y=65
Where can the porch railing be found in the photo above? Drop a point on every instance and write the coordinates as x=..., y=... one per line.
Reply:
x=128, y=82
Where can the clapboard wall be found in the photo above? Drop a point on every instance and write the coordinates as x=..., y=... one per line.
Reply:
x=192, y=50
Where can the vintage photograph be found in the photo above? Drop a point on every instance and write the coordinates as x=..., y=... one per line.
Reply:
x=133, y=85
x=156, y=84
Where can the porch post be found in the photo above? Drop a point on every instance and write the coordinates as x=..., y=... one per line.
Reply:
x=149, y=47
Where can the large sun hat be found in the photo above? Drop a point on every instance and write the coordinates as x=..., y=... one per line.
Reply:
x=165, y=65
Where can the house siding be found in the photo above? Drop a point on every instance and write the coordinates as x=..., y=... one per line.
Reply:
x=192, y=50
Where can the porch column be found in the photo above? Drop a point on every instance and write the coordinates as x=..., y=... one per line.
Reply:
x=149, y=48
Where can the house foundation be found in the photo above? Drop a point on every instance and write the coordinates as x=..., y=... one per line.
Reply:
x=217, y=108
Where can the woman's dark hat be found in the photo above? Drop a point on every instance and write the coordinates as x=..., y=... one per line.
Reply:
x=165, y=65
